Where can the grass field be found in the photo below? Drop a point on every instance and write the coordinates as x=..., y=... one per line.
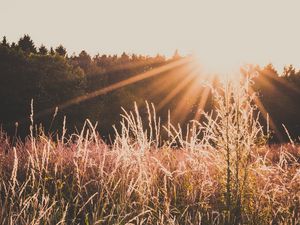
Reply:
x=221, y=171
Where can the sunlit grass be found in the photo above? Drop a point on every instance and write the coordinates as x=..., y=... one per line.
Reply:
x=220, y=171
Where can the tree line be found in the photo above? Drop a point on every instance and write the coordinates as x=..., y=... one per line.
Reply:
x=51, y=77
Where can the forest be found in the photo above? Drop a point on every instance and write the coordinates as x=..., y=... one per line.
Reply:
x=44, y=79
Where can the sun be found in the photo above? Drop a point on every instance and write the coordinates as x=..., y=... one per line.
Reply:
x=225, y=70
x=223, y=67
x=218, y=62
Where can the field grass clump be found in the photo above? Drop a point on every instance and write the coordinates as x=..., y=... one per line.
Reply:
x=220, y=171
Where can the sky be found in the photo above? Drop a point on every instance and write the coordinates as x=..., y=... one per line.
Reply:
x=221, y=33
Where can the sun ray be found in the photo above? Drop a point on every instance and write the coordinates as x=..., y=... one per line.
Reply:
x=165, y=82
x=291, y=86
x=192, y=94
x=118, y=85
x=266, y=82
x=126, y=66
x=202, y=102
x=177, y=90
x=266, y=116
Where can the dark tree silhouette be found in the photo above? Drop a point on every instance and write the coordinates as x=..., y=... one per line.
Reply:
x=4, y=42
x=14, y=46
x=26, y=44
x=52, y=52
x=83, y=60
x=61, y=50
x=289, y=71
x=43, y=50
x=124, y=58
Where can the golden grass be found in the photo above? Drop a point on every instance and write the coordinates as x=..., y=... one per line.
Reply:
x=219, y=172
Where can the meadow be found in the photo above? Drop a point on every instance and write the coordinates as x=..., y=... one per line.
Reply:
x=218, y=171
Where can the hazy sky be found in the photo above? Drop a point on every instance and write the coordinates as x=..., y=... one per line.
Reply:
x=221, y=32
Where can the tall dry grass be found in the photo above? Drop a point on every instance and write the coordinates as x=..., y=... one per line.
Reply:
x=217, y=172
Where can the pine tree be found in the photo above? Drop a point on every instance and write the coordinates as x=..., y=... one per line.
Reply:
x=60, y=50
x=52, y=51
x=4, y=42
x=43, y=50
x=26, y=44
